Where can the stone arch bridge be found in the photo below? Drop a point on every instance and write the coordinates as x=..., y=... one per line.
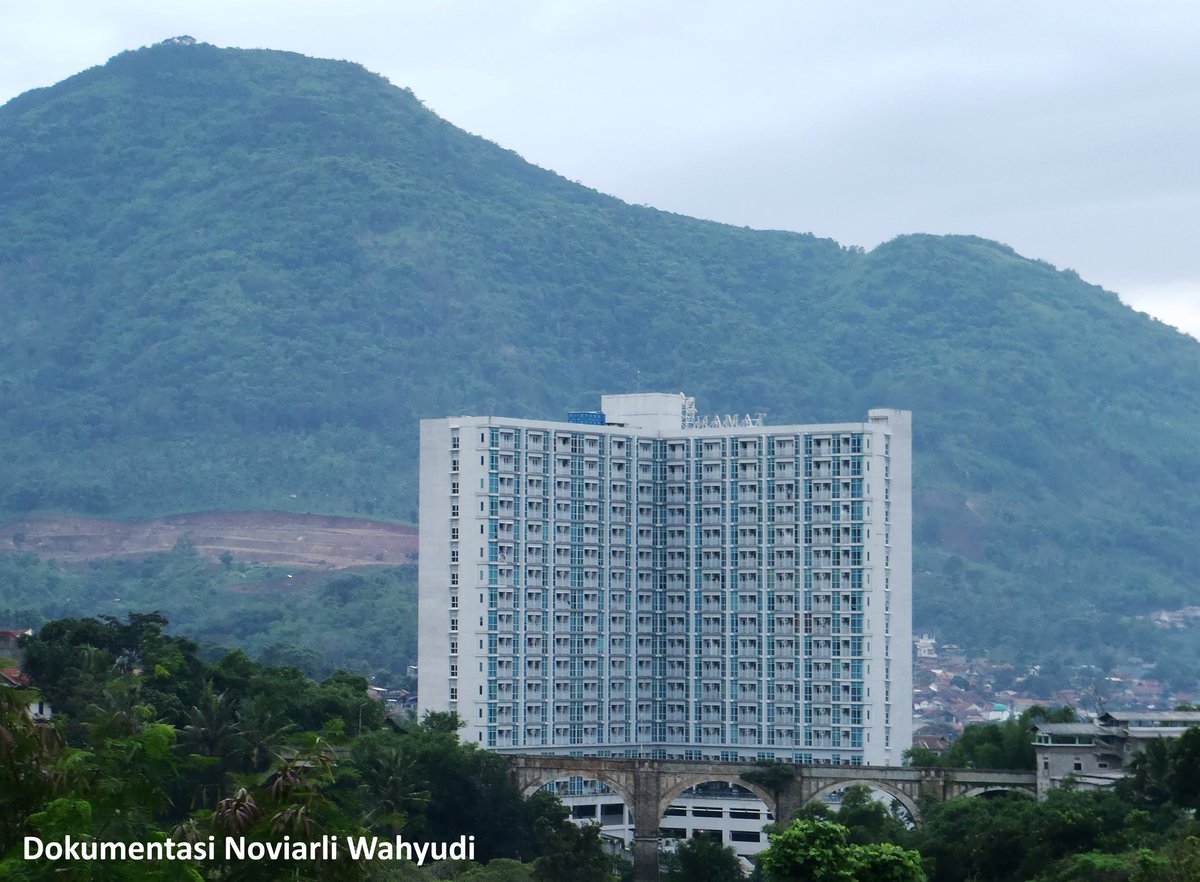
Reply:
x=649, y=786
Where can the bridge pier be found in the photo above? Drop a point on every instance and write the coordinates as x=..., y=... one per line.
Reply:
x=645, y=858
x=647, y=834
x=933, y=783
x=791, y=800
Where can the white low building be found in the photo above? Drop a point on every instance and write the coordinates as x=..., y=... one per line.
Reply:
x=728, y=813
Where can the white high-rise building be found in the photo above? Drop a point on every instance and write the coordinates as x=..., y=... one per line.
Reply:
x=641, y=582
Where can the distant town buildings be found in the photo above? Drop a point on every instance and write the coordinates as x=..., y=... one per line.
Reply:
x=1178, y=619
x=952, y=691
x=926, y=647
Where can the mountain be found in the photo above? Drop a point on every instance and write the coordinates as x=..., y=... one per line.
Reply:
x=236, y=279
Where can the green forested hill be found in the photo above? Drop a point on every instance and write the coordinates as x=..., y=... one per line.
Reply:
x=238, y=278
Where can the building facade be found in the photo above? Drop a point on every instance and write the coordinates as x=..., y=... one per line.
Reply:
x=639, y=582
x=723, y=812
x=1096, y=754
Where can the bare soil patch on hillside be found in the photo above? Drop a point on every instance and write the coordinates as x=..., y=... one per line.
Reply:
x=274, y=538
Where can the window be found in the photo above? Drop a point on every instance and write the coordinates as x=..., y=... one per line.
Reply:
x=1077, y=766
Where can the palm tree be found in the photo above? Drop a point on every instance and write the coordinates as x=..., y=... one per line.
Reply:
x=262, y=732
x=1147, y=780
x=212, y=726
x=392, y=787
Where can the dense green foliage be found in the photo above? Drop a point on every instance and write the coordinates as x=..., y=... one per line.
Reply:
x=867, y=820
x=1012, y=839
x=701, y=859
x=817, y=850
x=1003, y=745
x=363, y=621
x=150, y=743
x=238, y=278
x=1166, y=771
x=1137, y=833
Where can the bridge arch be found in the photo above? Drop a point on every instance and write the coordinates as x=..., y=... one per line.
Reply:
x=682, y=783
x=910, y=804
x=616, y=783
x=541, y=777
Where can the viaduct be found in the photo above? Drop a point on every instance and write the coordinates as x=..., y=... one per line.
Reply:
x=649, y=786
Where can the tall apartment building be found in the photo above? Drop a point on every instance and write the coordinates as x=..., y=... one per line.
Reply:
x=639, y=582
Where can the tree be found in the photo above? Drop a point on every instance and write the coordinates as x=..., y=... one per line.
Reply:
x=974, y=838
x=390, y=780
x=243, y=758
x=1006, y=745
x=702, y=859
x=867, y=819
x=885, y=862
x=262, y=731
x=1094, y=866
x=32, y=768
x=578, y=857
x=922, y=757
x=1183, y=770
x=815, y=850
x=1148, y=770
x=71, y=660
x=499, y=870
x=212, y=728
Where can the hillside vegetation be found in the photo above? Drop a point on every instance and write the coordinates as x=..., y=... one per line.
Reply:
x=361, y=620
x=237, y=279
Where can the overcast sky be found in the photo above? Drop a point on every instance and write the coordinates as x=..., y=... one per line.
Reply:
x=1068, y=130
